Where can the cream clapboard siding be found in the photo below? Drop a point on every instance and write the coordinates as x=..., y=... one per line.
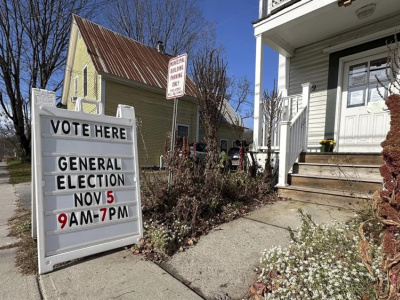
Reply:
x=154, y=118
x=82, y=59
x=310, y=64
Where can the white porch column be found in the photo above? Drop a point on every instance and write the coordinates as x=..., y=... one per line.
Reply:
x=306, y=103
x=283, y=75
x=258, y=113
x=283, y=153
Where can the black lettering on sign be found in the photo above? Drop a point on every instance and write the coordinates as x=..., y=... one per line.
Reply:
x=112, y=213
x=62, y=163
x=65, y=127
x=98, y=131
x=73, y=220
x=82, y=163
x=92, y=163
x=100, y=163
x=55, y=126
x=75, y=125
x=72, y=164
x=107, y=132
x=123, y=212
x=116, y=160
x=81, y=181
x=121, y=179
x=89, y=181
x=122, y=133
x=115, y=132
x=70, y=185
x=86, y=219
x=110, y=165
x=88, y=199
x=113, y=180
x=85, y=129
x=60, y=179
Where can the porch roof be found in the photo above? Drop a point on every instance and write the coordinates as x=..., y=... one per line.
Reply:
x=308, y=21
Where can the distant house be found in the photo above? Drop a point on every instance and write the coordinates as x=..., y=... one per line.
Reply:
x=104, y=65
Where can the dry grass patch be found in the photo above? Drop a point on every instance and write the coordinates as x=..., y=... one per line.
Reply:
x=19, y=171
x=27, y=258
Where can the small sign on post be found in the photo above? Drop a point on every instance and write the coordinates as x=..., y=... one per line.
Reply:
x=176, y=76
x=175, y=88
x=86, y=181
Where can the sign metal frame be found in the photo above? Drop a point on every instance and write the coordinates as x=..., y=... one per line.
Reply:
x=92, y=237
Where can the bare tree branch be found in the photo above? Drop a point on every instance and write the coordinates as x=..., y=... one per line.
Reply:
x=272, y=110
x=209, y=76
x=177, y=23
x=33, y=42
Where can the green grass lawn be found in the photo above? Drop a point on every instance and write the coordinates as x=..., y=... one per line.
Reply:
x=19, y=171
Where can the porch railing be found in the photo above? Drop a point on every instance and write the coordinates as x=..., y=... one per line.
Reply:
x=267, y=6
x=291, y=106
x=293, y=137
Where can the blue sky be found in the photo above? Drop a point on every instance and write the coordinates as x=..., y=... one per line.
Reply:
x=235, y=32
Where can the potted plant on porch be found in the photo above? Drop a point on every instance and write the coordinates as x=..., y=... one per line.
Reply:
x=327, y=145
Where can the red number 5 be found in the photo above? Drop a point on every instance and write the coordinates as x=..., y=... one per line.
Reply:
x=110, y=197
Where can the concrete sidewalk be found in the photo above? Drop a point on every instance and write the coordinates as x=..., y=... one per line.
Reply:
x=220, y=266
x=13, y=285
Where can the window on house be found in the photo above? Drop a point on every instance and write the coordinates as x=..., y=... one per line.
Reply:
x=85, y=81
x=183, y=131
x=76, y=86
x=363, y=84
x=224, y=145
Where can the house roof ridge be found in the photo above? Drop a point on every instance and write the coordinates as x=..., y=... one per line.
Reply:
x=120, y=34
x=116, y=54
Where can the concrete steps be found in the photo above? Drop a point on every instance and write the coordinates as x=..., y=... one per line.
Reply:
x=338, y=179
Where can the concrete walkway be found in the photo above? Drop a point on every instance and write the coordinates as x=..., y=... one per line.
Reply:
x=220, y=266
x=13, y=285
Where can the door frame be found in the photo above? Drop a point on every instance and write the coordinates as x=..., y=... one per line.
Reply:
x=339, y=90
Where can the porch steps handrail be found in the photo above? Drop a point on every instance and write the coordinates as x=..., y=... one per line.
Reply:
x=293, y=137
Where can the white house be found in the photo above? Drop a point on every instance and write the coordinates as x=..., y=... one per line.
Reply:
x=329, y=54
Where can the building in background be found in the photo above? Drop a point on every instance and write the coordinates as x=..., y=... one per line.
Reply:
x=107, y=66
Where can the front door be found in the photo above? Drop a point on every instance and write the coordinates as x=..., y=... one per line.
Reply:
x=364, y=119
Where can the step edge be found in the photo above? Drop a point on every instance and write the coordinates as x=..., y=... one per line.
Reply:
x=337, y=165
x=334, y=178
x=323, y=191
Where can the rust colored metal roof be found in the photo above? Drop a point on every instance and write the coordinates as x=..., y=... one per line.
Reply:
x=121, y=56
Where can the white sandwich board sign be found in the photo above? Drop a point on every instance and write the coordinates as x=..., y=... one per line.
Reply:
x=176, y=76
x=86, y=181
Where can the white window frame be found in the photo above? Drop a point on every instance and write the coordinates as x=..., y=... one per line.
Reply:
x=220, y=145
x=83, y=80
x=76, y=86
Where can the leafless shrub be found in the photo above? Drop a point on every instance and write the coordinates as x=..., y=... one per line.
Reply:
x=272, y=110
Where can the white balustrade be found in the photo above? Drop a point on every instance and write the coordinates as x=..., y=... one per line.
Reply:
x=277, y=3
x=293, y=137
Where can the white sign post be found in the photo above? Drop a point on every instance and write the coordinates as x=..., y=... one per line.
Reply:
x=175, y=88
x=87, y=186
